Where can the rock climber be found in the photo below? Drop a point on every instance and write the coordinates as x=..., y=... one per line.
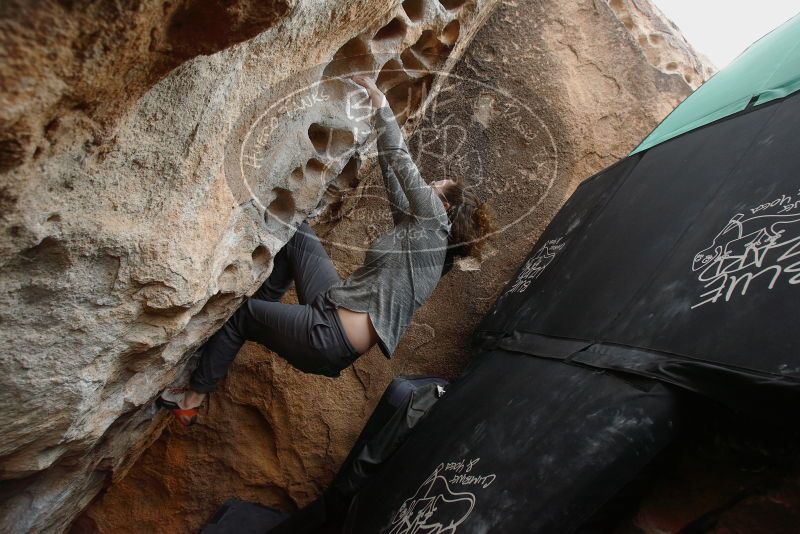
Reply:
x=338, y=320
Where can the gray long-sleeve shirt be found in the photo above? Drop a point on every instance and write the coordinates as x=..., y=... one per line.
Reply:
x=403, y=266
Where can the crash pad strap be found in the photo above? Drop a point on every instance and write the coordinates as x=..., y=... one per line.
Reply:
x=725, y=383
x=542, y=346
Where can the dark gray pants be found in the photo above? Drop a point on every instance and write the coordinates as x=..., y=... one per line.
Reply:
x=308, y=335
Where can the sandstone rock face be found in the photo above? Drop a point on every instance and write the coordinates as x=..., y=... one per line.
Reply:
x=662, y=42
x=145, y=189
x=87, y=61
x=546, y=94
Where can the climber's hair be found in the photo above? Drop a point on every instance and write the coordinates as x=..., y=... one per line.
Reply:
x=471, y=219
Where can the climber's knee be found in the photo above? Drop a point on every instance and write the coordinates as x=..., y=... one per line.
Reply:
x=236, y=325
x=302, y=233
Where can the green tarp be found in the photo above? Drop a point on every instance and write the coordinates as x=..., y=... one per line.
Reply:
x=767, y=70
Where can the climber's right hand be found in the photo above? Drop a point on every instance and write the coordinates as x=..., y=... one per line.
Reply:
x=366, y=82
x=375, y=94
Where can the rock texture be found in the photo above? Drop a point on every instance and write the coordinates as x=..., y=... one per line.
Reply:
x=662, y=41
x=546, y=94
x=137, y=210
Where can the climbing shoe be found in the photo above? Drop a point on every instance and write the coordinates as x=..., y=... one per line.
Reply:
x=172, y=400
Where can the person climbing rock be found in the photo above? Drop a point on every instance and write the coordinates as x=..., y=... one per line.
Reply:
x=338, y=320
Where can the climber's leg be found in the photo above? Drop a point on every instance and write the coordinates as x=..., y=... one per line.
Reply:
x=283, y=328
x=279, y=279
x=306, y=335
x=254, y=320
x=305, y=260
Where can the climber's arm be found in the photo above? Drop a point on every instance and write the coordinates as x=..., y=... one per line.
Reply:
x=393, y=154
x=400, y=173
x=398, y=203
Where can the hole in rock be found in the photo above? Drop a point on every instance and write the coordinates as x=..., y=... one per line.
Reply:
x=671, y=66
x=450, y=33
x=54, y=218
x=51, y=128
x=316, y=172
x=430, y=45
x=261, y=256
x=391, y=74
x=427, y=53
x=405, y=98
x=49, y=253
x=395, y=29
x=330, y=142
x=282, y=205
x=410, y=60
x=319, y=136
x=227, y=279
x=297, y=175
x=12, y=153
x=452, y=4
x=627, y=22
x=315, y=166
x=353, y=56
x=415, y=9
x=337, y=189
x=348, y=178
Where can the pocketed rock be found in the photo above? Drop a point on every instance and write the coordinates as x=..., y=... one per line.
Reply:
x=661, y=41
x=546, y=94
